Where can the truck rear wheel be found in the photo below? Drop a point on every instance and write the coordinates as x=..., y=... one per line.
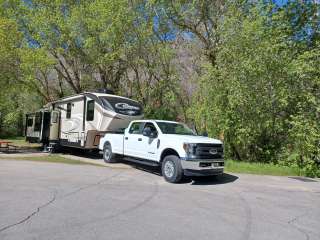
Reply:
x=108, y=156
x=171, y=169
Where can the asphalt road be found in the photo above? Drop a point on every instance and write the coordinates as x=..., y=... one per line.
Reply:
x=57, y=201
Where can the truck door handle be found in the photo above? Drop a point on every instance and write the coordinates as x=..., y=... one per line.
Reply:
x=126, y=138
x=139, y=139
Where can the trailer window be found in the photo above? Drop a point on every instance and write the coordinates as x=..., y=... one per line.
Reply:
x=29, y=121
x=68, y=110
x=54, y=118
x=135, y=128
x=37, y=122
x=90, y=110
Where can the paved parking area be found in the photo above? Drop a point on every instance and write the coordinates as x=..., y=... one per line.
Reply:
x=60, y=201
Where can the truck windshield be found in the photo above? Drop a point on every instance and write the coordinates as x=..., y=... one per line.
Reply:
x=175, y=128
x=122, y=105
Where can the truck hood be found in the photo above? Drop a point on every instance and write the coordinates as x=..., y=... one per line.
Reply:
x=191, y=139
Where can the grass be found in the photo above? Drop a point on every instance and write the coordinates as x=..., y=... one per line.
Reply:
x=261, y=169
x=21, y=142
x=230, y=165
x=51, y=159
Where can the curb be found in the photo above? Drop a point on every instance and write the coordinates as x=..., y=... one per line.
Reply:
x=96, y=161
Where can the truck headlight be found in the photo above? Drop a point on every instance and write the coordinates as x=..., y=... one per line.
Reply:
x=190, y=148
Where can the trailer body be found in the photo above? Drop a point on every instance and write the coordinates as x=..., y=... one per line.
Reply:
x=81, y=120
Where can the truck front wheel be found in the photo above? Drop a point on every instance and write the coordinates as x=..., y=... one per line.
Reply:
x=171, y=169
x=108, y=156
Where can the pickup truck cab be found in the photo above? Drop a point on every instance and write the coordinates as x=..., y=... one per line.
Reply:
x=171, y=145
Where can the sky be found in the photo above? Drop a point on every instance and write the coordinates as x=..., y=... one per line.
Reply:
x=280, y=2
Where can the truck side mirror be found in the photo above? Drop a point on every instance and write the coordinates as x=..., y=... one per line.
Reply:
x=153, y=134
x=205, y=134
x=146, y=132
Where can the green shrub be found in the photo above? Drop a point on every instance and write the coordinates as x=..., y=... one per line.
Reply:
x=303, y=150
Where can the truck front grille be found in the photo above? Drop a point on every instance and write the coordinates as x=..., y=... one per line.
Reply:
x=209, y=151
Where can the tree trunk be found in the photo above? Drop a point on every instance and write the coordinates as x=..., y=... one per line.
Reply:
x=1, y=124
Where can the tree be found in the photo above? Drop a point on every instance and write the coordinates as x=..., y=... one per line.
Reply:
x=79, y=45
x=9, y=72
x=263, y=93
x=199, y=19
x=303, y=146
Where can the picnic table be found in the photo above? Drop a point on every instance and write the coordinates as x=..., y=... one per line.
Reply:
x=5, y=146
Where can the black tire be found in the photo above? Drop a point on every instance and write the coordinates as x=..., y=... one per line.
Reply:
x=108, y=156
x=171, y=169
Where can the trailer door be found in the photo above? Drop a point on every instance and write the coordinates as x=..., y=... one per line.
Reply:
x=54, y=126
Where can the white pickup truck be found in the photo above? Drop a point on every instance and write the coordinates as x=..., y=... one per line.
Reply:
x=171, y=145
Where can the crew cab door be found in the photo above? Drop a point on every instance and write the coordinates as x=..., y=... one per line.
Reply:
x=149, y=144
x=132, y=142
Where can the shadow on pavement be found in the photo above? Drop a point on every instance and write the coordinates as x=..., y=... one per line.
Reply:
x=208, y=180
x=214, y=180
x=81, y=153
x=145, y=168
x=303, y=179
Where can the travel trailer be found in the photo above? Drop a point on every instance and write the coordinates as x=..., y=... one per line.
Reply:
x=81, y=120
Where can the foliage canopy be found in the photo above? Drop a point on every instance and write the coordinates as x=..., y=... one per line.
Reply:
x=244, y=71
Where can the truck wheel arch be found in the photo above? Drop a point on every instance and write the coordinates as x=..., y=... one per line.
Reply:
x=112, y=157
x=167, y=152
x=105, y=143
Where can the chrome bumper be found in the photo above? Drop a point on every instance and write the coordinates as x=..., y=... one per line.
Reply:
x=202, y=167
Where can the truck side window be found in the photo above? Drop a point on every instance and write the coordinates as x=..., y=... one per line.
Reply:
x=135, y=128
x=90, y=110
x=68, y=110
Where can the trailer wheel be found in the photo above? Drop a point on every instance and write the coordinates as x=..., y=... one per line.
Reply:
x=171, y=169
x=108, y=156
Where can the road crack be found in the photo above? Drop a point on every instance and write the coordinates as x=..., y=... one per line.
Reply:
x=90, y=185
x=144, y=201
x=53, y=199
x=293, y=220
x=248, y=214
x=32, y=214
